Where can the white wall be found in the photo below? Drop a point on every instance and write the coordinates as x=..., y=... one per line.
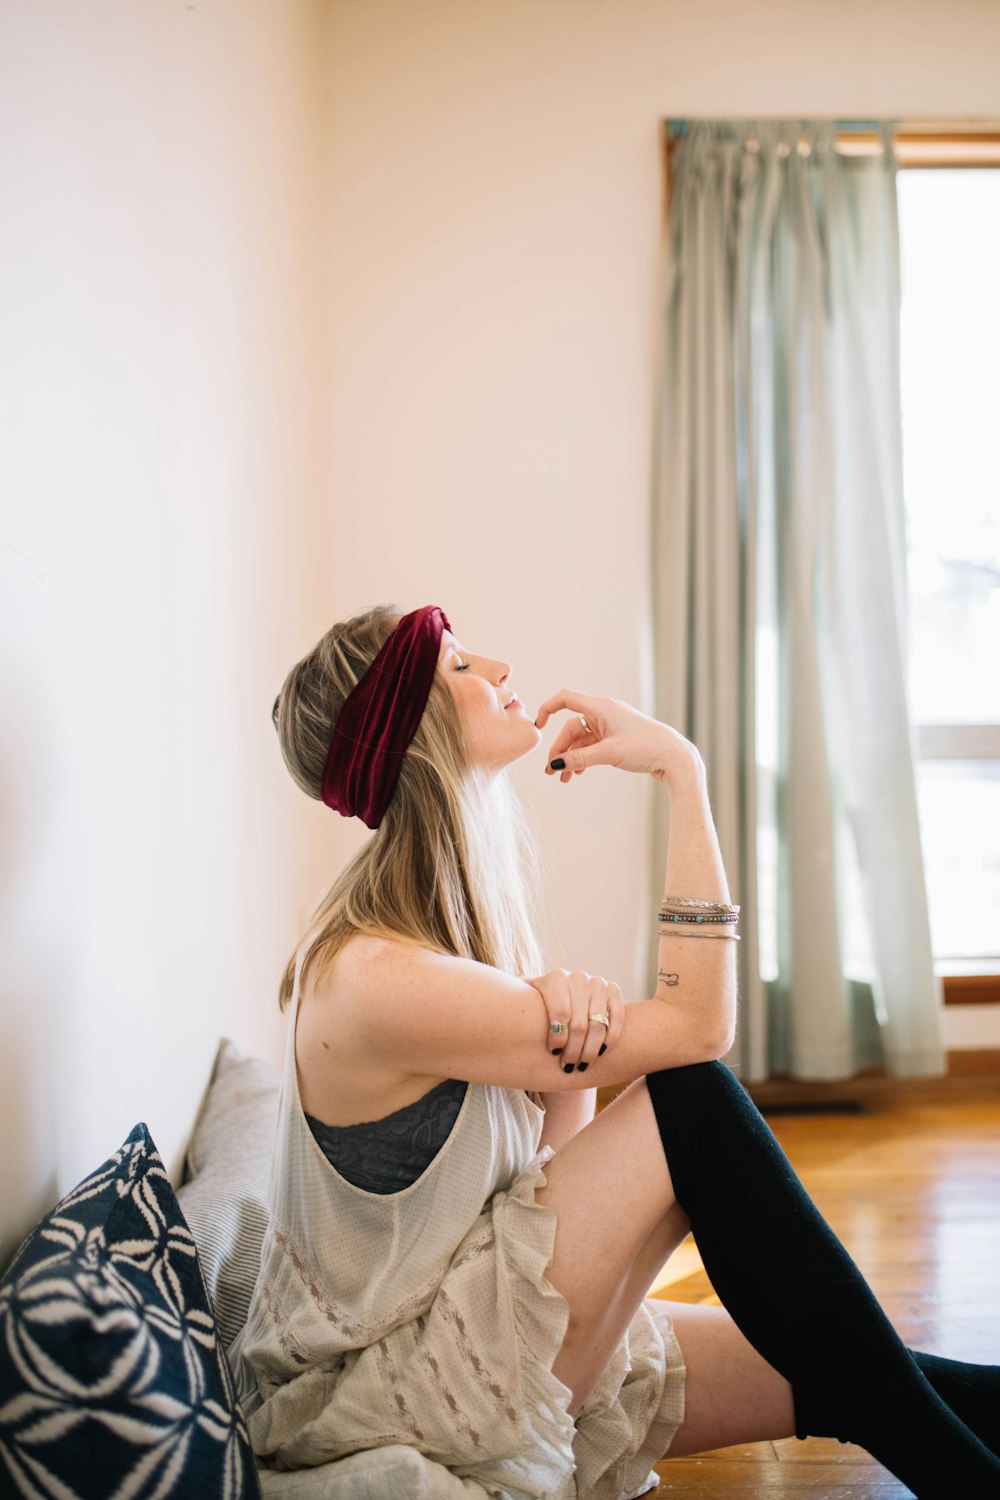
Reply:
x=496, y=182
x=221, y=430
x=163, y=493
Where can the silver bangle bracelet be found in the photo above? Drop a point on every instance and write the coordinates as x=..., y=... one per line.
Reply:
x=700, y=932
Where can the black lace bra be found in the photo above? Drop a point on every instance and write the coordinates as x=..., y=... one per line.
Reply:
x=384, y=1156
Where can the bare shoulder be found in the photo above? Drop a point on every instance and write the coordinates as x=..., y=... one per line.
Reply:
x=374, y=981
x=365, y=951
x=345, y=1074
x=367, y=964
x=413, y=1005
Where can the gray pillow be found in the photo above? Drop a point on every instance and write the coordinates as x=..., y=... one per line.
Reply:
x=224, y=1193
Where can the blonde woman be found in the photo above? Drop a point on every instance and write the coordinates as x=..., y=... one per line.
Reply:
x=460, y=1250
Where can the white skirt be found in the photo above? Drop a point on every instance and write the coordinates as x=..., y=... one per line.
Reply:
x=470, y=1384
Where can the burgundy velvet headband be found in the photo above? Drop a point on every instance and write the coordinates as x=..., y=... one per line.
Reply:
x=380, y=717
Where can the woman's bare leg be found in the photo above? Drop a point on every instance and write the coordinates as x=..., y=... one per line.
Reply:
x=731, y=1393
x=778, y=1267
x=611, y=1187
x=618, y=1222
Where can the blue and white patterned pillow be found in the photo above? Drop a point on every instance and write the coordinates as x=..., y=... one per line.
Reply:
x=113, y=1381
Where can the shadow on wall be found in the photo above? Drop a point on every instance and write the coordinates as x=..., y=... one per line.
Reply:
x=33, y=1040
x=27, y=1190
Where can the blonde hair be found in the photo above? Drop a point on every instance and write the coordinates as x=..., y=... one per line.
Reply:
x=452, y=866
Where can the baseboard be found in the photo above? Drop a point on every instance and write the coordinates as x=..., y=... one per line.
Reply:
x=973, y=1070
x=970, y=1071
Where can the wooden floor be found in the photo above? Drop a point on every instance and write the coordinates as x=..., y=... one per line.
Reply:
x=912, y=1188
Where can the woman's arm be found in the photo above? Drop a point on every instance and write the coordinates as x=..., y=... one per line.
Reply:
x=691, y=967
x=565, y=1114
x=604, y=731
x=432, y=1015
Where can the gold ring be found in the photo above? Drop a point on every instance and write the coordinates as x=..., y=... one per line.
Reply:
x=601, y=1020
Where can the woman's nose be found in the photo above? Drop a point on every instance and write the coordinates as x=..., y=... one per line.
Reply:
x=503, y=669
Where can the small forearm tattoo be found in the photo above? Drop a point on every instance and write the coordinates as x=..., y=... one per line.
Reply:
x=670, y=980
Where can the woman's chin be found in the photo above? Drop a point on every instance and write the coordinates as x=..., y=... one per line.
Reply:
x=530, y=741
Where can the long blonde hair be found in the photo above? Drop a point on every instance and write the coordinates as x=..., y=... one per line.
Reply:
x=452, y=865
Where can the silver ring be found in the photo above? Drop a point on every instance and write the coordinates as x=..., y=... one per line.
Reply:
x=557, y=1028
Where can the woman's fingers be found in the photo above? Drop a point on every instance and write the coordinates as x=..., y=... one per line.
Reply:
x=617, y=1014
x=594, y=1001
x=578, y=986
x=592, y=737
x=575, y=734
x=579, y=739
x=554, y=990
x=584, y=1014
x=576, y=731
x=603, y=1021
x=566, y=698
x=608, y=732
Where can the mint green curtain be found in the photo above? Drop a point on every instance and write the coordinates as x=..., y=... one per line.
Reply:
x=779, y=588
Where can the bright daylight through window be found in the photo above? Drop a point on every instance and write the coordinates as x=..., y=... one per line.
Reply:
x=950, y=348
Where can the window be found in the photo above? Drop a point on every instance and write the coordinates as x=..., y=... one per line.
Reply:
x=950, y=352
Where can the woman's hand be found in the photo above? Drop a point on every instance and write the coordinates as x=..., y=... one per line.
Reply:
x=572, y=1001
x=608, y=732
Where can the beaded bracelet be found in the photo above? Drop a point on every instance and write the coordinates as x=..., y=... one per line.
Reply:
x=697, y=917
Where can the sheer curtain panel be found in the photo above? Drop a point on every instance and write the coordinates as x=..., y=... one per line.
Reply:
x=779, y=588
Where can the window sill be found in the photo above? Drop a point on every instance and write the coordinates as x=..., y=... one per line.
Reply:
x=981, y=988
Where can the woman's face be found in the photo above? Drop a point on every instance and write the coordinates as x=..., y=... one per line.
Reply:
x=498, y=728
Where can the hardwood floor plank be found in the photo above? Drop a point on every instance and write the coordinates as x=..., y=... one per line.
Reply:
x=692, y=1489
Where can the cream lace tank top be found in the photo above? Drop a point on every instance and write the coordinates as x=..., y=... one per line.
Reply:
x=341, y=1267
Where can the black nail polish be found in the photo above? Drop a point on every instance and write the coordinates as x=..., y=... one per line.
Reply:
x=557, y=1051
x=604, y=1048
x=582, y=1067
x=568, y=1067
x=557, y=765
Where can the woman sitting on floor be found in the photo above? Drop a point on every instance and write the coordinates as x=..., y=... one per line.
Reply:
x=460, y=1252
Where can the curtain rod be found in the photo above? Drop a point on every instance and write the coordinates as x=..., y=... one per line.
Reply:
x=947, y=127
x=678, y=127
x=917, y=143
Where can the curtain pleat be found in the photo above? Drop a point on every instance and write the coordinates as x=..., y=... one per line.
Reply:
x=779, y=587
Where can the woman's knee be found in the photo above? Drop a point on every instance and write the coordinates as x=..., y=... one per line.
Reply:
x=694, y=1081
x=692, y=1105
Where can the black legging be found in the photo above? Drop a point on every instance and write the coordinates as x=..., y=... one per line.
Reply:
x=797, y=1296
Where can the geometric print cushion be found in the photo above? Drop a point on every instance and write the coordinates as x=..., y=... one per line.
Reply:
x=113, y=1380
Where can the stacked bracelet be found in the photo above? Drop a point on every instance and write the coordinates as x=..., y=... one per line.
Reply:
x=683, y=916
x=670, y=903
x=723, y=916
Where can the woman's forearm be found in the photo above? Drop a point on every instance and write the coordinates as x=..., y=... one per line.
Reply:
x=697, y=971
x=565, y=1114
x=697, y=975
